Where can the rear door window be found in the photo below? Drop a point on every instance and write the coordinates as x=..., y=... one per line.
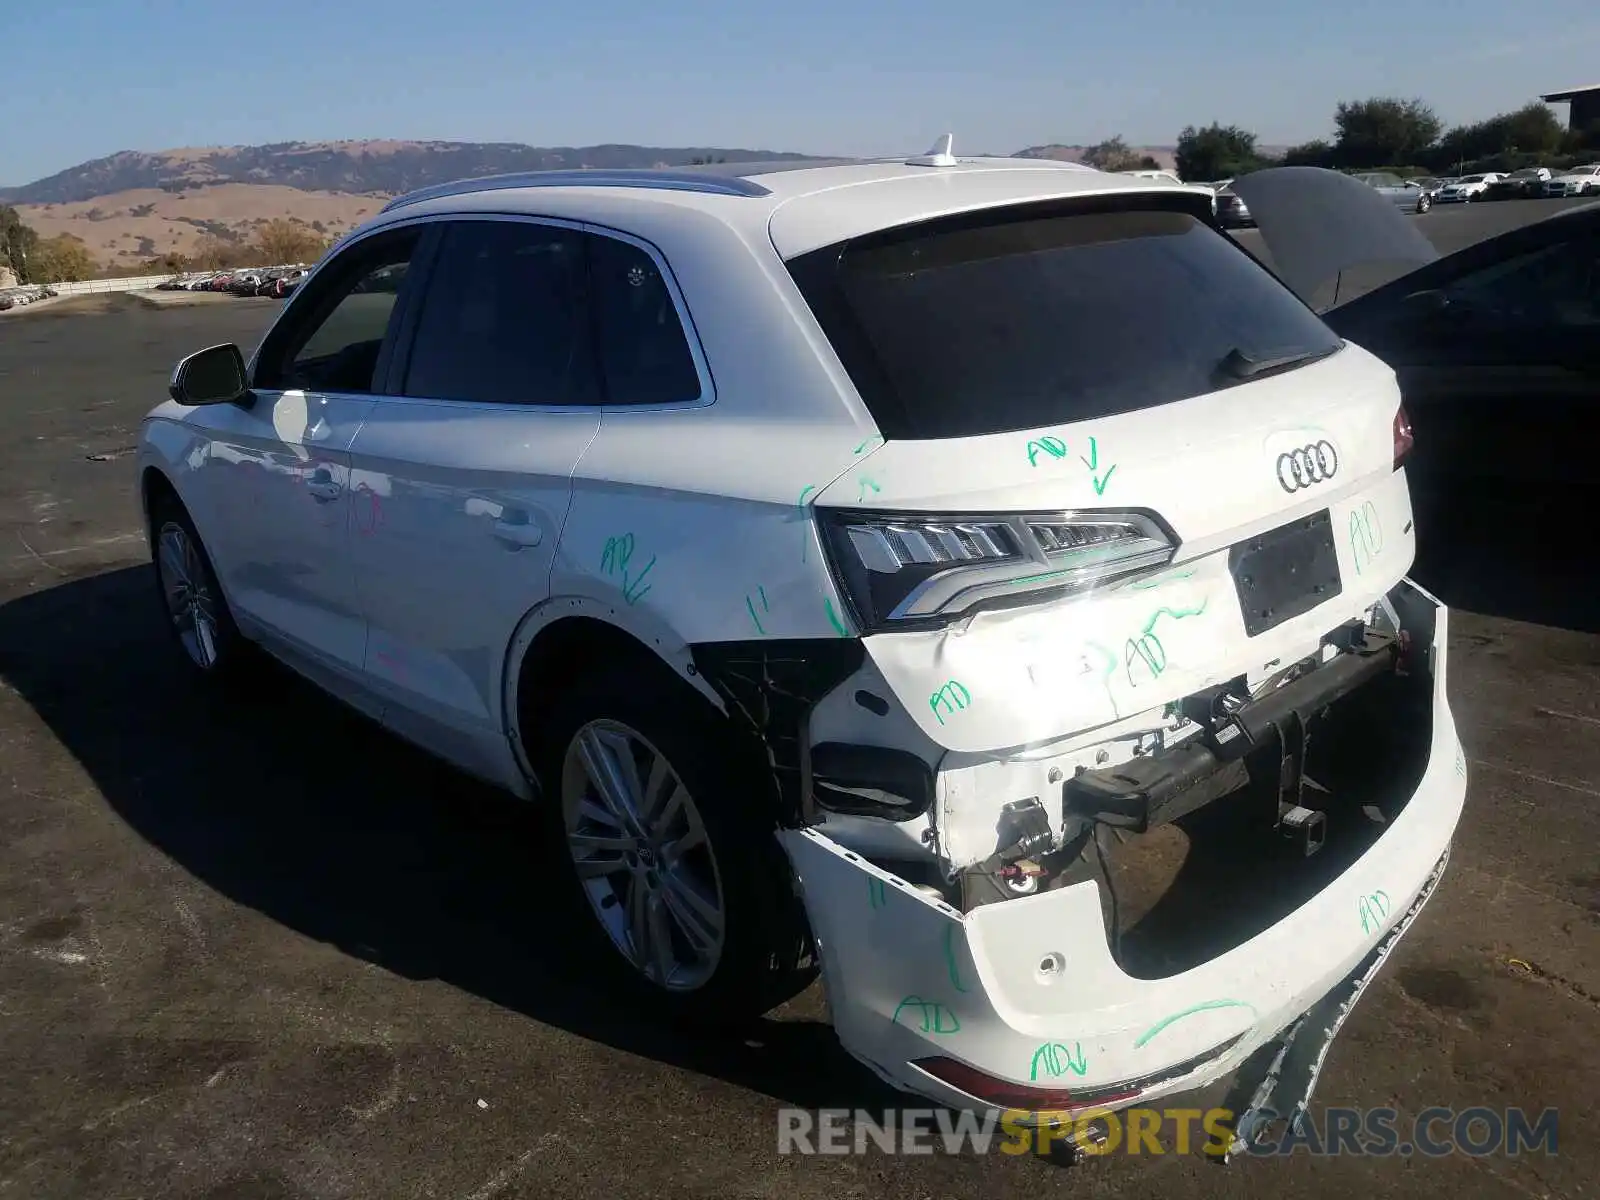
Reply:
x=1014, y=320
x=503, y=319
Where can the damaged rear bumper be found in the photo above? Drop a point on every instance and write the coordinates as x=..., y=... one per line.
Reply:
x=1023, y=1005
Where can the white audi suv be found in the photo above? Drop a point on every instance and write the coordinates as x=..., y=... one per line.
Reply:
x=979, y=580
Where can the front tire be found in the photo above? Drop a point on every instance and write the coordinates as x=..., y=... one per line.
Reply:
x=673, y=867
x=197, y=614
x=1423, y=204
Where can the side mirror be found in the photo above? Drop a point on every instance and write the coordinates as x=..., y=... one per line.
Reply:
x=214, y=375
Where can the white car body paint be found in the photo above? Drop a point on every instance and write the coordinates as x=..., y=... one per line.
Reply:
x=453, y=535
x=1462, y=191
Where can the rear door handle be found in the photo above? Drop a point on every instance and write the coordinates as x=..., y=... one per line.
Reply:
x=519, y=533
x=323, y=488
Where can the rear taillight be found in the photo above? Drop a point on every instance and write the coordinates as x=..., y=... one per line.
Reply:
x=1403, y=439
x=914, y=570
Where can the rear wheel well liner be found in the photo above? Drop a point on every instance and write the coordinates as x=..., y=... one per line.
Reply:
x=553, y=641
x=154, y=487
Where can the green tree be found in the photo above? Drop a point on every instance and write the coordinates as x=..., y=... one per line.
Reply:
x=1383, y=131
x=17, y=243
x=285, y=241
x=61, y=259
x=1533, y=129
x=1216, y=152
x=1315, y=153
x=1111, y=155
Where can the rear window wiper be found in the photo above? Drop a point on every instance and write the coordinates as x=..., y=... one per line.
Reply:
x=1238, y=365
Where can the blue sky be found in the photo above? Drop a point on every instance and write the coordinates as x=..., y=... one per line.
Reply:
x=84, y=78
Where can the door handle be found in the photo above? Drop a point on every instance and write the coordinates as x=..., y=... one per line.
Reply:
x=323, y=488
x=519, y=533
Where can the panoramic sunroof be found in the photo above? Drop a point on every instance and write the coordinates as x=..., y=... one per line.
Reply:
x=745, y=170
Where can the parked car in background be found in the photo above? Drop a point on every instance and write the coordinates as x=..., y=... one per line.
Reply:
x=268, y=283
x=1232, y=211
x=850, y=562
x=26, y=294
x=285, y=285
x=1465, y=189
x=1156, y=175
x=1574, y=181
x=1497, y=348
x=1526, y=184
x=1403, y=193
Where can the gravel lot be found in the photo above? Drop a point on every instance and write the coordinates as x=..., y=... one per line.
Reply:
x=263, y=951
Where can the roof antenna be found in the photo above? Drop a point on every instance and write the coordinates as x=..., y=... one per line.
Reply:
x=939, y=156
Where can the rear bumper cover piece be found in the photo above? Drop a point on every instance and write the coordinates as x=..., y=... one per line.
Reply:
x=1024, y=1002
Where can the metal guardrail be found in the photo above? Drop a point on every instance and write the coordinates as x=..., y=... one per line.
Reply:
x=91, y=287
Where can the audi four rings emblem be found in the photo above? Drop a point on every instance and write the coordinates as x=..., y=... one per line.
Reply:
x=1301, y=468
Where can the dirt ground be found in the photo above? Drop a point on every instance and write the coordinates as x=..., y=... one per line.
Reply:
x=264, y=951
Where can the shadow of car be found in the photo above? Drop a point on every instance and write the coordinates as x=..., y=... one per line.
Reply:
x=289, y=803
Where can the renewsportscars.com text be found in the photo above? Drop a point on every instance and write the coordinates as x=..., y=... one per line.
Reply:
x=1372, y=1132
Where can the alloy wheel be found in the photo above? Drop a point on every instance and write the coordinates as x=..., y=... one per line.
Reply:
x=190, y=603
x=642, y=855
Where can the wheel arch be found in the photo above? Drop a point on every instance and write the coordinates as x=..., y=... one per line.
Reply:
x=553, y=640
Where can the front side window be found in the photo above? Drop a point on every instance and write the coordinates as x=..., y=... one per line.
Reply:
x=332, y=339
x=1013, y=319
x=503, y=319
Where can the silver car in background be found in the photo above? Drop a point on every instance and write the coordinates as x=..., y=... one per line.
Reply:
x=1574, y=181
x=1466, y=189
x=1404, y=193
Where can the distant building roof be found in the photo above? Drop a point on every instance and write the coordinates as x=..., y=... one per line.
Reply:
x=1570, y=93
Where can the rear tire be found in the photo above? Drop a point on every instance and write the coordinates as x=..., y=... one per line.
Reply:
x=681, y=887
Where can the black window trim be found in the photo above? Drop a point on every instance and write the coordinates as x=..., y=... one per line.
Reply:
x=812, y=273
x=405, y=334
x=311, y=294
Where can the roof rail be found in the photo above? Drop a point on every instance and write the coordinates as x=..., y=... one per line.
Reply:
x=678, y=181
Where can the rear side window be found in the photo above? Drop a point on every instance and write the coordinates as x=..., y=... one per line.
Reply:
x=503, y=319
x=644, y=355
x=1020, y=319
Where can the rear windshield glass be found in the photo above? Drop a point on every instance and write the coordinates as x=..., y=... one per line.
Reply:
x=1005, y=323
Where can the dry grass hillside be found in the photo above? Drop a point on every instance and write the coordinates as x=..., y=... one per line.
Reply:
x=128, y=227
x=132, y=207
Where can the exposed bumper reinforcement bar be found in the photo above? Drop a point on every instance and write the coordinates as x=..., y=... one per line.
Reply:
x=1159, y=788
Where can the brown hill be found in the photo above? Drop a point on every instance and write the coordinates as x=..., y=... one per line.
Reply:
x=1162, y=154
x=133, y=205
x=124, y=228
